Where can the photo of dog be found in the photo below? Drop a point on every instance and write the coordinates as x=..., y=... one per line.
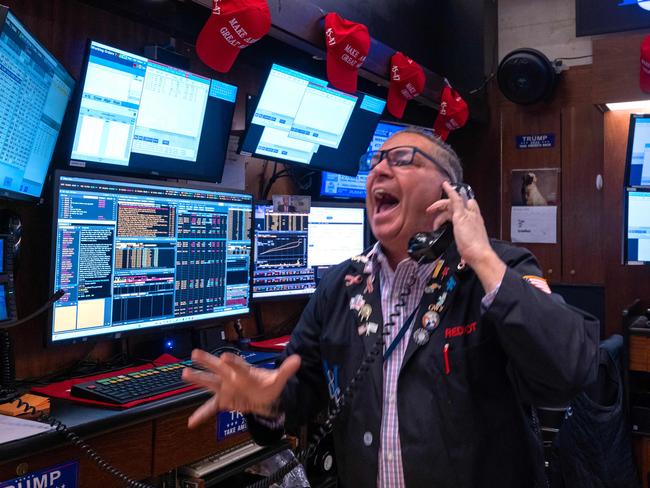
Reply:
x=534, y=187
x=530, y=193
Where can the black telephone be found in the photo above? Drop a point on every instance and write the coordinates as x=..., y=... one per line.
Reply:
x=426, y=247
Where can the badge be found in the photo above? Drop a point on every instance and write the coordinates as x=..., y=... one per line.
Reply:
x=430, y=320
x=437, y=269
x=352, y=280
x=431, y=288
x=360, y=259
x=421, y=337
x=368, y=328
x=369, y=284
x=356, y=302
x=451, y=284
x=364, y=312
x=441, y=299
x=461, y=265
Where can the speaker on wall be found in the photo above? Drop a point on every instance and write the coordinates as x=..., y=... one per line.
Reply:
x=526, y=76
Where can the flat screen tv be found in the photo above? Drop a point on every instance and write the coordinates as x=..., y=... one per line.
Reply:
x=299, y=119
x=137, y=116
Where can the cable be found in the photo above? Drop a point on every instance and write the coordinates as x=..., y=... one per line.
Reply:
x=336, y=408
x=576, y=57
x=8, y=390
x=485, y=82
x=46, y=306
x=78, y=442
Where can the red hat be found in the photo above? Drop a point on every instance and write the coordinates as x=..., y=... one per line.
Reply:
x=347, y=45
x=233, y=25
x=644, y=73
x=406, y=82
x=453, y=113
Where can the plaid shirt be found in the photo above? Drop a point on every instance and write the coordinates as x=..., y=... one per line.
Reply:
x=393, y=283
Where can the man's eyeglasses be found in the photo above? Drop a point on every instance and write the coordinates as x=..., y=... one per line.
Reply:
x=397, y=156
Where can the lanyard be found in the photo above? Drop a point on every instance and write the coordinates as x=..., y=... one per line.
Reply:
x=400, y=335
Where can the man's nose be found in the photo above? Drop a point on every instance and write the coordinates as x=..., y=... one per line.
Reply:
x=382, y=168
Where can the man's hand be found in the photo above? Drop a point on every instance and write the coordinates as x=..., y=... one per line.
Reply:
x=236, y=385
x=470, y=235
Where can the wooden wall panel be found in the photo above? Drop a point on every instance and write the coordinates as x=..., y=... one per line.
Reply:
x=582, y=162
x=530, y=120
x=616, y=68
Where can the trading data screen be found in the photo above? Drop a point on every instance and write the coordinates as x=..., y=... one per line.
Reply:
x=34, y=93
x=637, y=238
x=638, y=151
x=292, y=251
x=300, y=119
x=135, y=255
x=342, y=186
x=138, y=115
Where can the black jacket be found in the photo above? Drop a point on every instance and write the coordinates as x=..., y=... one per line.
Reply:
x=462, y=429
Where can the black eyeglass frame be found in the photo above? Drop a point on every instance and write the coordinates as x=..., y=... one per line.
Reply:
x=367, y=157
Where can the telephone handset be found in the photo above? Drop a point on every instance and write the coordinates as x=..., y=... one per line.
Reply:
x=426, y=247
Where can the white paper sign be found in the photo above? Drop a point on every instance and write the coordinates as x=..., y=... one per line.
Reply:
x=534, y=224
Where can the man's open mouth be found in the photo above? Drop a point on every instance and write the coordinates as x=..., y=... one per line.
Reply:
x=384, y=201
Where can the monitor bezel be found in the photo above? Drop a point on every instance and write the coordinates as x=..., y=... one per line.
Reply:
x=330, y=198
x=108, y=169
x=254, y=101
x=307, y=295
x=147, y=330
x=23, y=197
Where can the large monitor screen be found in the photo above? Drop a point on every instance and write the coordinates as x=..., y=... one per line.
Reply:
x=638, y=151
x=299, y=119
x=136, y=115
x=134, y=255
x=34, y=93
x=293, y=251
x=636, y=248
x=335, y=185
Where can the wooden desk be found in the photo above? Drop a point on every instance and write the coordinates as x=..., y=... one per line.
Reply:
x=144, y=441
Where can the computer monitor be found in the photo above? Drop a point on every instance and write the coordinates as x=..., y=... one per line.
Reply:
x=135, y=115
x=637, y=162
x=636, y=238
x=298, y=119
x=34, y=93
x=135, y=255
x=293, y=251
x=335, y=185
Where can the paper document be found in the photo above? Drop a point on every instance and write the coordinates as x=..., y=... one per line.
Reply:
x=534, y=224
x=12, y=428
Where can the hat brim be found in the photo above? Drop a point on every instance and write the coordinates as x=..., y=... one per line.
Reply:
x=440, y=129
x=341, y=78
x=396, y=103
x=213, y=49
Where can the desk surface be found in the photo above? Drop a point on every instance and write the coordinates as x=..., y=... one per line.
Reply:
x=87, y=421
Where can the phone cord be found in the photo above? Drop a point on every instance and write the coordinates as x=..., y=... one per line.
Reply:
x=328, y=425
x=77, y=441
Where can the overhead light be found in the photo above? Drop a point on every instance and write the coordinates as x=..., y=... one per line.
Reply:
x=636, y=106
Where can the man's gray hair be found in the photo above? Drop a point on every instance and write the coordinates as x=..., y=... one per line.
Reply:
x=446, y=156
